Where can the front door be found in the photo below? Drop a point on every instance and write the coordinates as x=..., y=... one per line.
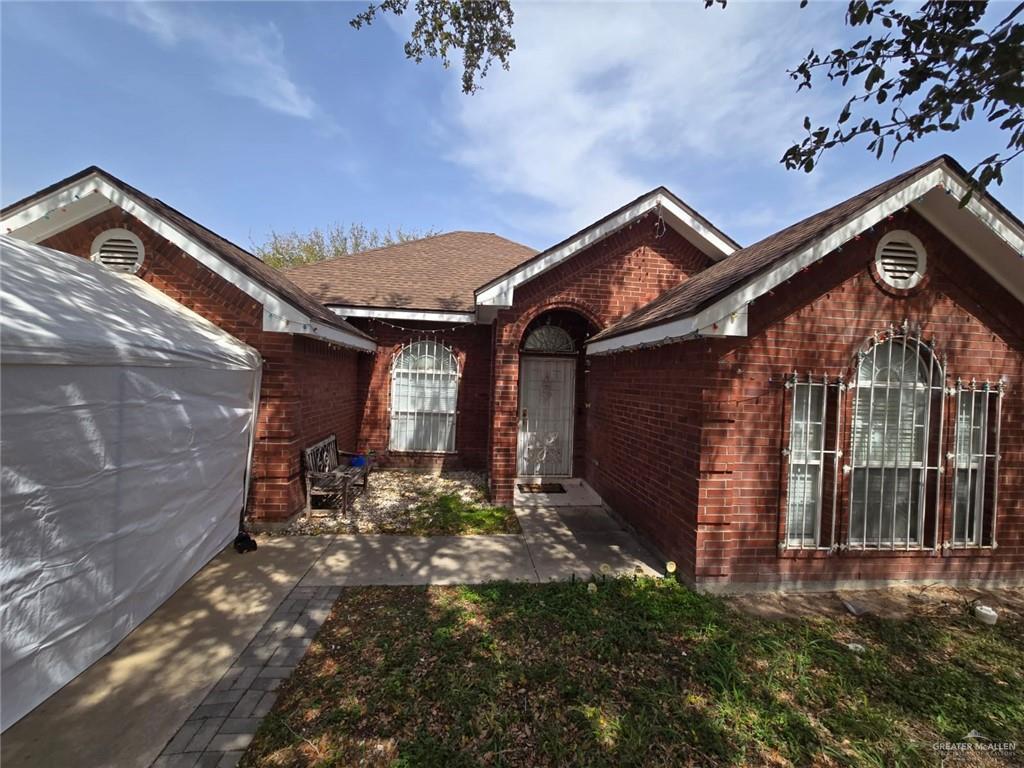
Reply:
x=547, y=386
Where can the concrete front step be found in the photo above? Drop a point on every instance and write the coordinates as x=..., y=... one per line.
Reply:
x=577, y=494
x=578, y=541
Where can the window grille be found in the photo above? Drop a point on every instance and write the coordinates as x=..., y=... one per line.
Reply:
x=424, y=395
x=894, y=455
x=816, y=406
x=550, y=339
x=975, y=459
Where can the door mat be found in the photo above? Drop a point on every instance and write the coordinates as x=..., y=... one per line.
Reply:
x=541, y=488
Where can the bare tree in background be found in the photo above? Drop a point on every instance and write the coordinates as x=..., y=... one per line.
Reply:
x=290, y=249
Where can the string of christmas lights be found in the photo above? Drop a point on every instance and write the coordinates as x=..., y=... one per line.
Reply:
x=430, y=331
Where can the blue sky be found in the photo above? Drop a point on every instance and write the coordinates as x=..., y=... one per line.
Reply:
x=254, y=117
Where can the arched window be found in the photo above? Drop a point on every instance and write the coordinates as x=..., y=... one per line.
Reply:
x=550, y=339
x=898, y=383
x=424, y=394
x=899, y=495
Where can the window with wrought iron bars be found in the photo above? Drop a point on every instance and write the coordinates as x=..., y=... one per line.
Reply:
x=816, y=407
x=424, y=395
x=975, y=464
x=894, y=474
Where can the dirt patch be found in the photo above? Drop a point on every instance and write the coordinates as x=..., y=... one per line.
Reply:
x=892, y=603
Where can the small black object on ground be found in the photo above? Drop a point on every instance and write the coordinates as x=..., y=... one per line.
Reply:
x=244, y=543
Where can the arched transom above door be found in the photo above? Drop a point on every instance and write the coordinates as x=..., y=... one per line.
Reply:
x=550, y=339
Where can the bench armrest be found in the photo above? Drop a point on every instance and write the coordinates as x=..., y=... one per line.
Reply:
x=323, y=475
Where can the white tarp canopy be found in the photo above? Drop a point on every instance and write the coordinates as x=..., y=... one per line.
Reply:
x=125, y=437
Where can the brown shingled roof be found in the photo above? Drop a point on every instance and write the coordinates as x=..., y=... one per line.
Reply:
x=244, y=261
x=705, y=287
x=438, y=273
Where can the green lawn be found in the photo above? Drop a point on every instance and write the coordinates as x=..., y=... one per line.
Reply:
x=641, y=672
x=448, y=514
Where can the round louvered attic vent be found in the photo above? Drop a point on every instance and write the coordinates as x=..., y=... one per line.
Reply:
x=119, y=250
x=901, y=260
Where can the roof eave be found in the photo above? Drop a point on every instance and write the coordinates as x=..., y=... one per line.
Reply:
x=69, y=202
x=692, y=226
x=946, y=174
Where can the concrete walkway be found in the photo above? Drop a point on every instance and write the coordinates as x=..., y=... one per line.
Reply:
x=123, y=709
x=369, y=559
x=189, y=686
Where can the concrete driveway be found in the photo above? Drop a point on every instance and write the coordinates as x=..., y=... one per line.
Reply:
x=230, y=624
x=122, y=710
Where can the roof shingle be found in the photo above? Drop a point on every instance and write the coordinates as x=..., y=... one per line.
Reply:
x=438, y=273
x=244, y=261
x=704, y=287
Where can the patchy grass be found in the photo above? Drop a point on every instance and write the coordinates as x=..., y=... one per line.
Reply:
x=449, y=514
x=639, y=673
x=402, y=502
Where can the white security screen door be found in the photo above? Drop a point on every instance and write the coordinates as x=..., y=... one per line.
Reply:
x=546, y=394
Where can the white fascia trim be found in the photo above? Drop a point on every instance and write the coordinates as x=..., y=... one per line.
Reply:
x=990, y=216
x=79, y=201
x=500, y=293
x=272, y=303
x=313, y=329
x=406, y=314
x=742, y=296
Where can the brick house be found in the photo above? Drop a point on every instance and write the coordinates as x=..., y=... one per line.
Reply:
x=840, y=402
x=93, y=214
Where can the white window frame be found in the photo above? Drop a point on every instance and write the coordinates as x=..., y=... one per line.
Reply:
x=976, y=461
x=804, y=453
x=862, y=460
x=442, y=423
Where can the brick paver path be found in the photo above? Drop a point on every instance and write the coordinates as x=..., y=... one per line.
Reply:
x=220, y=729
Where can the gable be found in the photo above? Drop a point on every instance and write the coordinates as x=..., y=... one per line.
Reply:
x=613, y=277
x=710, y=303
x=93, y=191
x=671, y=212
x=830, y=308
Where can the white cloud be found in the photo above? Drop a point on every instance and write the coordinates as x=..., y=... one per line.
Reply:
x=250, y=57
x=605, y=101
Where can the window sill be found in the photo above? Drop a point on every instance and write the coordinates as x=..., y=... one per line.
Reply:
x=805, y=554
x=986, y=551
x=815, y=554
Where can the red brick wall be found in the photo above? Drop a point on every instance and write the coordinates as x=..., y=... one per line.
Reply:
x=602, y=283
x=645, y=426
x=729, y=533
x=309, y=387
x=472, y=347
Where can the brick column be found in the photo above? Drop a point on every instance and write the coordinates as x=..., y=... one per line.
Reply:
x=276, y=491
x=716, y=496
x=504, y=409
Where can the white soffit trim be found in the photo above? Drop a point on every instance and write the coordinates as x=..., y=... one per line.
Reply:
x=56, y=212
x=280, y=312
x=500, y=292
x=739, y=298
x=406, y=314
x=311, y=328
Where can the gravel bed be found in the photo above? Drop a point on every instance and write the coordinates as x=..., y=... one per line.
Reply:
x=385, y=507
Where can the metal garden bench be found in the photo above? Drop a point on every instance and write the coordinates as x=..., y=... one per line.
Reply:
x=326, y=475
